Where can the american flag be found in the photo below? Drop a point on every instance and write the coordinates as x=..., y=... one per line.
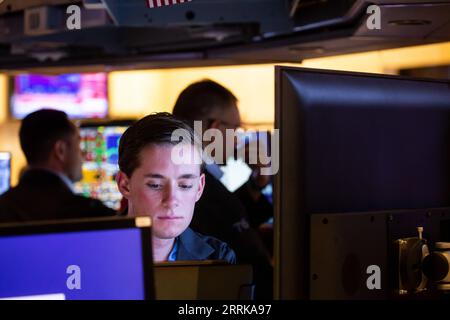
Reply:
x=160, y=3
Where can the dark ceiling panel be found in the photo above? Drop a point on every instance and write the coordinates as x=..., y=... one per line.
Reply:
x=127, y=34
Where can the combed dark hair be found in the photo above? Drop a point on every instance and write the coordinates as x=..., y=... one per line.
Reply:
x=156, y=129
x=39, y=132
x=198, y=100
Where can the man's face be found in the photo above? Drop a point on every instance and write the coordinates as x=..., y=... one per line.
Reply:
x=163, y=190
x=74, y=159
x=228, y=118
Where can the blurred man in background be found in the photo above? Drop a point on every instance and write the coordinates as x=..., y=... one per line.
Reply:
x=51, y=144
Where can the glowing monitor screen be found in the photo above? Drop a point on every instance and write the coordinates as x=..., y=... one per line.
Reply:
x=5, y=171
x=59, y=262
x=81, y=96
x=100, y=146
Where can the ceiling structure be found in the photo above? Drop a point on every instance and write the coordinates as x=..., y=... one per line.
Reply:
x=126, y=34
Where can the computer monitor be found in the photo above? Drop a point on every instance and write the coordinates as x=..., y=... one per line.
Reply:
x=89, y=259
x=5, y=171
x=80, y=95
x=355, y=143
x=100, y=146
x=203, y=280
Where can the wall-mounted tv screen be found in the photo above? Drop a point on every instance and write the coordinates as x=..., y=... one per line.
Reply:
x=5, y=171
x=100, y=144
x=80, y=95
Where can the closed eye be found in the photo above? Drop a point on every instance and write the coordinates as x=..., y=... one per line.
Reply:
x=155, y=186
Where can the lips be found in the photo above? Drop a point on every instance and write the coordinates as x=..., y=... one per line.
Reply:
x=169, y=218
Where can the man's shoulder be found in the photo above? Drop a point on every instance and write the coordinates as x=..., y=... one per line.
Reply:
x=7, y=194
x=6, y=199
x=217, y=200
x=203, y=247
x=91, y=206
x=11, y=196
x=221, y=248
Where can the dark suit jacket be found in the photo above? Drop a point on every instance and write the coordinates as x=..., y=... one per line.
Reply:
x=42, y=195
x=220, y=214
x=194, y=246
x=258, y=211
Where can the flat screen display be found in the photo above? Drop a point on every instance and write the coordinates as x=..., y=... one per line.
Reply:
x=84, y=265
x=80, y=95
x=5, y=171
x=100, y=145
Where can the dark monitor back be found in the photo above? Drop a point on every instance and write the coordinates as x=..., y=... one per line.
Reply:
x=354, y=142
x=203, y=280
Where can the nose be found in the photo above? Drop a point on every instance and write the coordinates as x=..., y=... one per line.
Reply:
x=170, y=198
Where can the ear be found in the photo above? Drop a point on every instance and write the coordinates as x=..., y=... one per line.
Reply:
x=201, y=187
x=123, y=183
x=60, y=150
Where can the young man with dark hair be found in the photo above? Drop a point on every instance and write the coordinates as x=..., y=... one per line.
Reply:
x=159, y=183
x=51, y=144
x=220, y=213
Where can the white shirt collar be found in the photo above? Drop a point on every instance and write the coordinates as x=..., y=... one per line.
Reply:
x=67, y=181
